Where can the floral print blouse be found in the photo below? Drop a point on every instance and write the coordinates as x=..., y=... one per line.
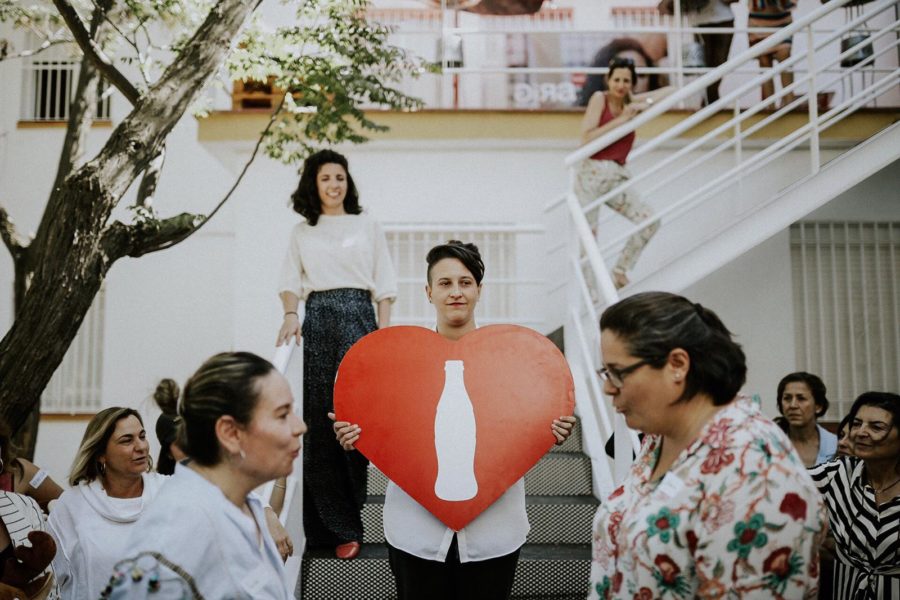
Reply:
x=736, y=515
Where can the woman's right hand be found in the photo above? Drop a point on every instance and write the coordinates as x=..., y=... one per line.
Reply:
x=290, y=327
x=345, y=433
x=633, y=109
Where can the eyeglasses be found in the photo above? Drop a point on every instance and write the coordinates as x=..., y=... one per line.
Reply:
x=617, y=376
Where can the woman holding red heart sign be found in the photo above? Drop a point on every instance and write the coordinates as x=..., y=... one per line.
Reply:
x=338, y=262
x=427, y=558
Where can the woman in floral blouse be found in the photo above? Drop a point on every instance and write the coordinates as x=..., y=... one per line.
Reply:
x=717, y=503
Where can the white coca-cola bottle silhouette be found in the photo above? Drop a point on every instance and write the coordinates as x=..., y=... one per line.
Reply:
x=454, y=438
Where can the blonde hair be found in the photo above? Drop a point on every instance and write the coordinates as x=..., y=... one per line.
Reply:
x=93, y=444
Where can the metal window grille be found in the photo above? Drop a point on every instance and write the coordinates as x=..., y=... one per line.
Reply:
x=499, y=303
x=847, y=307
x=76, y=385
x=49, y=80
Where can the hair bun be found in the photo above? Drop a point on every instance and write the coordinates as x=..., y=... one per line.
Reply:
x=166, y=396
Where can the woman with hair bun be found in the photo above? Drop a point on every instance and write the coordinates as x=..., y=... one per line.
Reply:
x=716, y=503
x=801, y=401
x=166, y=397
x=205, y=535
x=339, y=264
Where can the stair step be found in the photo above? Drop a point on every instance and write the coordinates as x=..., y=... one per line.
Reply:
x=554, y=519
x=544, y=571
x=557, y=474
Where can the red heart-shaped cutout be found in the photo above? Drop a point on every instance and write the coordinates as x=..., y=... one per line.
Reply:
x=390, y=383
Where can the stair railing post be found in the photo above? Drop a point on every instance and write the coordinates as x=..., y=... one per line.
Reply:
x=679, y=49
x=812, y=102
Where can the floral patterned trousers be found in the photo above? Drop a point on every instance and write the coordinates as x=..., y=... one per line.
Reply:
x=597, y=177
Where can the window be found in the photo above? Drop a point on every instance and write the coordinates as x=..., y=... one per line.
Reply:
x=501, y=301
x=77, y=383
x=847, y=307
x=49, y=80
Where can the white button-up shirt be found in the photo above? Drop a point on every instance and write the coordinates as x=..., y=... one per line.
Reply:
x=192, y=535
x=499, y=530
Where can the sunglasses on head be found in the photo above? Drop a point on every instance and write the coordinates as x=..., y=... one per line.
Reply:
x=621, y=62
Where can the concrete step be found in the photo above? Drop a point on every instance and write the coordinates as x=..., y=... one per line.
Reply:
x=556, y=474
x=554, y=519
x=551, y=572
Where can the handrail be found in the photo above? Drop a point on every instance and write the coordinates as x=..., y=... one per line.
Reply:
x=587, y=256
x=825, y=121
x=701, y=83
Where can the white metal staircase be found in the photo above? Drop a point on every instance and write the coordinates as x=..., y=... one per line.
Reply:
x=699, y=188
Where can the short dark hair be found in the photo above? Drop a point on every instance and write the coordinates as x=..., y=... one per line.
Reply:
x=467, y=254
x=813, y=382
x=652, y=324
x=883, y=400
x=305, y=199
x=226, y=384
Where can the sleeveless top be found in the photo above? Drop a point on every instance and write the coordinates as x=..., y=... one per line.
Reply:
x=618, y=150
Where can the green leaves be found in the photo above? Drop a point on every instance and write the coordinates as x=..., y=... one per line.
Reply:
x=331, y=64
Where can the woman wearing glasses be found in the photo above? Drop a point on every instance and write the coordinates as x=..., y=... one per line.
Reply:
x=717, y=502
x=605, y=169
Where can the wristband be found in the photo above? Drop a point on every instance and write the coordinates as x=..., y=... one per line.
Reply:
x=38, y=479
x=291, y=312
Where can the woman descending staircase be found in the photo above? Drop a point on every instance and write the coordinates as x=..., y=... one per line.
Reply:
x=553, y=564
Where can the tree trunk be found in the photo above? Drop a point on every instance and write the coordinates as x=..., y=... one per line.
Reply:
x=76, y=245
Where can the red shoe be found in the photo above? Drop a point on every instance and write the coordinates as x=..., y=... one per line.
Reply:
x=347, y=551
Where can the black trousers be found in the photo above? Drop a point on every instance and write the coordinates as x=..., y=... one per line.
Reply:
x=334, y=481
x=715, y=52
x=421, y=579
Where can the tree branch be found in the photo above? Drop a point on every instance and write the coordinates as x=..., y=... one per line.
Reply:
x=92, y=50
x=262, y=136
x=9, y=234
x=46, y=44
x=150, y=180
x=147, y=236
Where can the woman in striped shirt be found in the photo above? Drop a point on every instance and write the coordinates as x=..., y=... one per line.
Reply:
x=862, y=494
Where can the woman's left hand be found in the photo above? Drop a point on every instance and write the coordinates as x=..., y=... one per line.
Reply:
x=562, y=428
x=281, y=537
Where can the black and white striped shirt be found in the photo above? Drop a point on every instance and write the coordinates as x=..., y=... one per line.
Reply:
x=867, y=535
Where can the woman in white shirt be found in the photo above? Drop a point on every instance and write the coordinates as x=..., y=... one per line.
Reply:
x=112, y=481
x=205, y=534
x=338, y=263
x=428, y=559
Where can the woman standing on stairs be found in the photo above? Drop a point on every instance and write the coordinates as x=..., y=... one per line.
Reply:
x=605, y=170
x=338, y=262
x=428, y=559
x=717, y=503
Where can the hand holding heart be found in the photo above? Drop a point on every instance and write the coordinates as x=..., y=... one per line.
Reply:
x=516, y=384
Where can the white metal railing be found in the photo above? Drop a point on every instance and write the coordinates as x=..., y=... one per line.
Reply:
x=488, y=61
x=697, y=159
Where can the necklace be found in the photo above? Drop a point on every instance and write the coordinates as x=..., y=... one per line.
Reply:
x=886, y=487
